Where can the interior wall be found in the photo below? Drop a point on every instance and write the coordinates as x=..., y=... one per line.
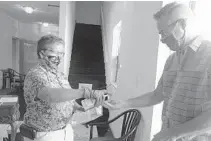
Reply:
x=15, y=54
x=34, y=31
x=10, y=28
x=111, y=14
x=66, y=31
x=88, y=12
x=138, y=55
x=6, y=41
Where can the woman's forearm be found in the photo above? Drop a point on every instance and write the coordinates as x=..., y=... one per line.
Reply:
x=54, y=95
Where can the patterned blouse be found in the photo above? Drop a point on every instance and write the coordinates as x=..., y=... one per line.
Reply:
x=39, y=114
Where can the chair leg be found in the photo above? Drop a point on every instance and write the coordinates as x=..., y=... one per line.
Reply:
x=91, y=132
x=103, y=130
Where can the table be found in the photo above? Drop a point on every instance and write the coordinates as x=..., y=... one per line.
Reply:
x=9, y=114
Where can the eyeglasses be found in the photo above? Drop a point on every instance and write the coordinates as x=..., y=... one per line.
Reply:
x=61, y=54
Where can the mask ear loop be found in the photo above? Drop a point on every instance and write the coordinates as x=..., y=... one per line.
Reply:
x=175, y=32
x=43, y=55
x=184, y=40
x=176, y=35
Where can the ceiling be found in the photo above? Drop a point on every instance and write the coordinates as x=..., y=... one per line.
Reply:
x=43, y=12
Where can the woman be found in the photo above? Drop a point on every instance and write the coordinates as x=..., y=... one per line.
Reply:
x=48, y=95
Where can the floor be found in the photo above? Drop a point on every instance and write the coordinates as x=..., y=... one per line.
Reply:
x=3, y=130
x=81, y=132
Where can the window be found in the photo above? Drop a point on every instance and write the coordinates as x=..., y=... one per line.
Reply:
x=202, y=11
x=116, y=50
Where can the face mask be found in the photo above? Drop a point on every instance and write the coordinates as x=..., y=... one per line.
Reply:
x=175, y=40
x=171, y=42
x=52, y=61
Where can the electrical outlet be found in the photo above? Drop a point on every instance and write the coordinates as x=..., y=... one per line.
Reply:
x=81, y=85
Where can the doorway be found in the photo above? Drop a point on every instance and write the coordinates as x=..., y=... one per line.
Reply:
x=28, y=55
x=87, y=63
x=87, y=59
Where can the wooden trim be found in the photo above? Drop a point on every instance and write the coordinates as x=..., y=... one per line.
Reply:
x=105, y=48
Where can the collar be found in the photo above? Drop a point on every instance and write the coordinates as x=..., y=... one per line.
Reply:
x=194, y=45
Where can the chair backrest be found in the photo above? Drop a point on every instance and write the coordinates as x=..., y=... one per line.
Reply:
x=131, y=120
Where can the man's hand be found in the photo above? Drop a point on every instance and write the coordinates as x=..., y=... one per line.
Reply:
x=165, y=135
x=113, y=105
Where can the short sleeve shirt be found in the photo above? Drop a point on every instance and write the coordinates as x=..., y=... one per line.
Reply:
x=39, y=114
x=186, y=85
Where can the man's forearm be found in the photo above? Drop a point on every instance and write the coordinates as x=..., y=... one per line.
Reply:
x=146, y=100
x=54, y=95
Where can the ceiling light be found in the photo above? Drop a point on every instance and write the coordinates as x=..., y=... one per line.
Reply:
x=45, y=24
x=28, y=10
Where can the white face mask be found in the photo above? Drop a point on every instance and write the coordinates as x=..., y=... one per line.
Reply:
x=176, y=39
x=178, y=34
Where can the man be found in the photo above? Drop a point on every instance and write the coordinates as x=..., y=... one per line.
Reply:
x=185, y=86
x=48, y=95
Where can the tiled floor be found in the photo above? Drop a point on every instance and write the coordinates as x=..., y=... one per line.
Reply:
x=3, y=130
x=81, y=132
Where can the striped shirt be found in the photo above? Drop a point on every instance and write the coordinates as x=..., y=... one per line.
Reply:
x=186, y=85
